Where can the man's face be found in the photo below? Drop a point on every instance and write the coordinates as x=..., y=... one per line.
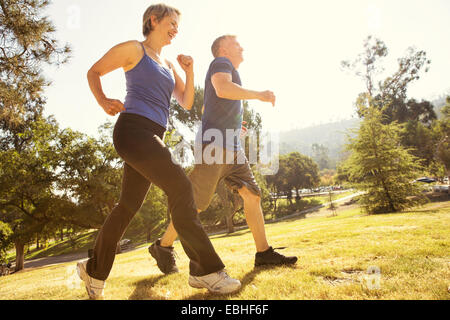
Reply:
x=233, y=50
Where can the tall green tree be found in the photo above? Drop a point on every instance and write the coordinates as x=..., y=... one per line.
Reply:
x=381, y=167
x=442, y=130
x=90, y=173
x=420, y=138
x=302, y=173
x=296, y=171
x=391, y=94
x=28, y=182
x=27, y=44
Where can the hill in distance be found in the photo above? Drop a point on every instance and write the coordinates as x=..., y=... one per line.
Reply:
x=332, y=135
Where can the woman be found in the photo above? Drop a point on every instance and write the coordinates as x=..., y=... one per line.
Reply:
x=137, y=137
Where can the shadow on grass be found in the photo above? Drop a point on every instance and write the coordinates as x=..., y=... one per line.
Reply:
x=143, y=290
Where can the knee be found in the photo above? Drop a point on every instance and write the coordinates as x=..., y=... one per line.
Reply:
x=122, y=214
x=181, y=202
x=249, y=196
x=128, y=209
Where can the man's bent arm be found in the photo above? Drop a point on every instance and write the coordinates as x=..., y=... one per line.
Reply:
x=227, y=89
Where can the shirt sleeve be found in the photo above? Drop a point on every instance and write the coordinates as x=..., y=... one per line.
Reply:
x=221, y=66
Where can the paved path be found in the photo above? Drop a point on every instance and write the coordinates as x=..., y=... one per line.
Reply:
x=48, y=261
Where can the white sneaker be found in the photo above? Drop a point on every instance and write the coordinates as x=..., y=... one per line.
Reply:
x=217, y=282
x=94, y=287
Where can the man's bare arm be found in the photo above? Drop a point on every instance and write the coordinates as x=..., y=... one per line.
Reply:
x=227, y=89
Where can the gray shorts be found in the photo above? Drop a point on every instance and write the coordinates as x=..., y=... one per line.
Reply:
x=205, y=177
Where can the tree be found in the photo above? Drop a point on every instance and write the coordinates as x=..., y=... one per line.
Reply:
x=278, y=182
x=442, y=130
x=27, y=42
x=27, y=185
x=381, y=167
x=390, y=94
x=296, y=171
x=5, y=233
x=327, y=177
x=320, y=156
x=90, y=173
x=420, y=139
x=302, y=173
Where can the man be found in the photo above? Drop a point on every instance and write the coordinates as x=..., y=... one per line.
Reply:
x=222, y=115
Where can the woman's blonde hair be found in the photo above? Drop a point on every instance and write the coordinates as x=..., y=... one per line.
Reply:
x=159, y=11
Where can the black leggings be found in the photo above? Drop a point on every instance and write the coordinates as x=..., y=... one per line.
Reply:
x=138, y=141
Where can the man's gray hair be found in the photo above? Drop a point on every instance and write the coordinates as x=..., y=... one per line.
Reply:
x=218, y=42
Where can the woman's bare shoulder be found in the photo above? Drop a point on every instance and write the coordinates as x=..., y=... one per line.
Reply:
x=133, y=45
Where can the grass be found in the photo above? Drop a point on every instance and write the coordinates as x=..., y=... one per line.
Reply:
x=85, y=240
x=410, y=250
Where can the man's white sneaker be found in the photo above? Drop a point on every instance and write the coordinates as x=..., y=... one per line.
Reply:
x=217, y=282
x=94, y=287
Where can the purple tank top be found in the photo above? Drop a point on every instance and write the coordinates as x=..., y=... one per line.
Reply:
x=149, y=89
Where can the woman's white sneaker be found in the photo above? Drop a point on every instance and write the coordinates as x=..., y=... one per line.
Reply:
x=217, y=282
x=94, y=287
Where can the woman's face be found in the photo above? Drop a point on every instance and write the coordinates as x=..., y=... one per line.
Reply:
x=167, y=28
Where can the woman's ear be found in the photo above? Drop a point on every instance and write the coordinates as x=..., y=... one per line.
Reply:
x=154, y=21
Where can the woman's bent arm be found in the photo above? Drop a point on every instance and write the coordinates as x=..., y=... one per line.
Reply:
x=123, y=56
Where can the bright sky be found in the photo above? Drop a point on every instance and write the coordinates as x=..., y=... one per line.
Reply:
x=292, y=47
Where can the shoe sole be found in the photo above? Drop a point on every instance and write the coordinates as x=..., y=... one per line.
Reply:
x=259, y=264
x=200, y=285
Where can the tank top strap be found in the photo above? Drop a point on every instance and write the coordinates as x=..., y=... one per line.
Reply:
x=143, y=48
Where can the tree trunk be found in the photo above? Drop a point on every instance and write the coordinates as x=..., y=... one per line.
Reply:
x=37, y=242
x=62, y=235
x=229, y=221
x=20, y=255
x=297, y=196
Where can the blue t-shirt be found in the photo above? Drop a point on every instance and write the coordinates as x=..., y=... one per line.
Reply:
x=221, y=114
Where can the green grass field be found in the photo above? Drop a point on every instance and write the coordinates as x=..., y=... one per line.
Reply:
x=410, y=250
x=85, y=240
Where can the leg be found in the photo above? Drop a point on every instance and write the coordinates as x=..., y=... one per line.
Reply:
x=254, y=217
x=204, y=179
x=134, y=190
x=153, y=160
x=170, y=235
x=241, y=179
